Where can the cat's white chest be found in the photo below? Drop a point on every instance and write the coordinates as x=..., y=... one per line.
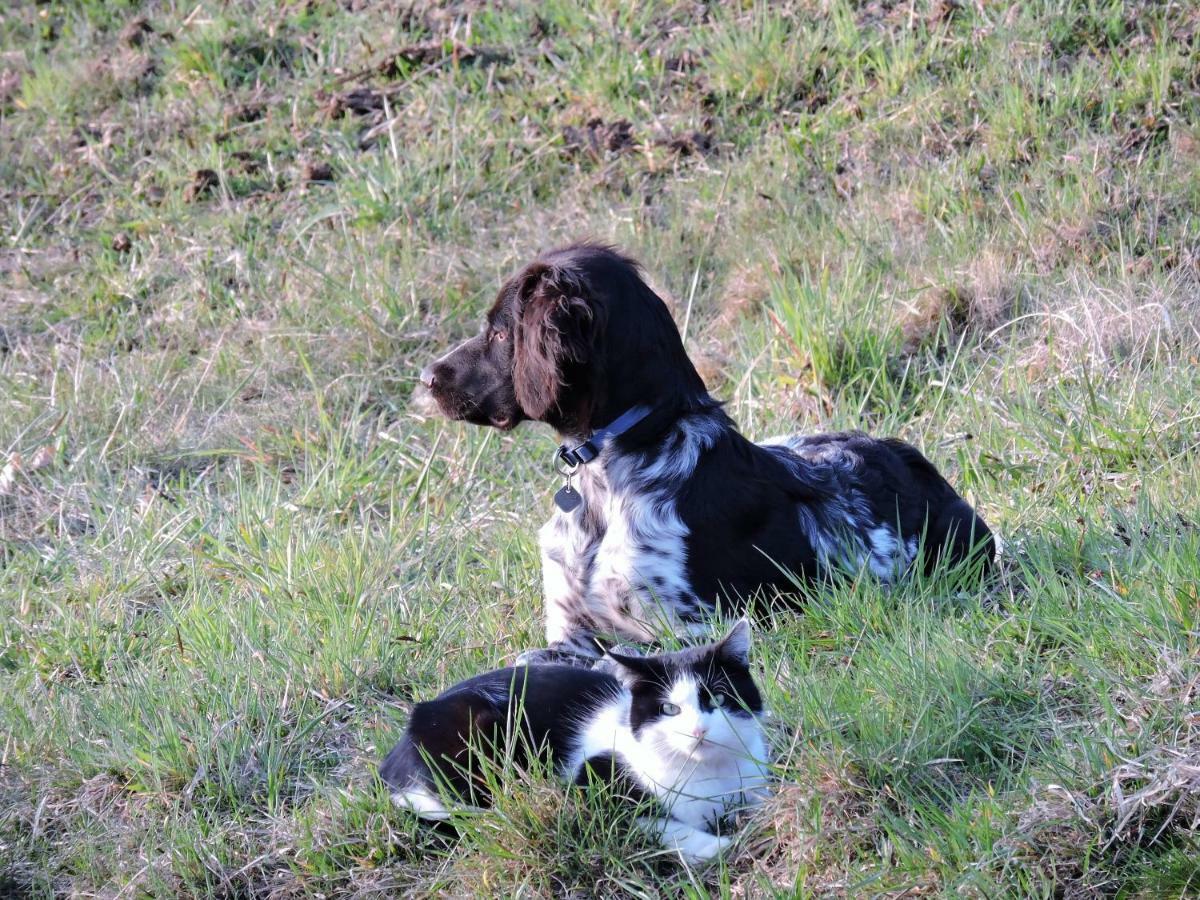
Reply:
x=700, y=795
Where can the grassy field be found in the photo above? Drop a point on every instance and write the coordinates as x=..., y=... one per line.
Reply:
x=233, y=550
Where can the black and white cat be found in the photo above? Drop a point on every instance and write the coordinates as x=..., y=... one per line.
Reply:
x=681, y=731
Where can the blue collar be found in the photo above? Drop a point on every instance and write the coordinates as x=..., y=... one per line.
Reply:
x=590, y=449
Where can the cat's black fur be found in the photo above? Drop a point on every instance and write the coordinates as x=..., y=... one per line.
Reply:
x=460, y=728
x=698, y=761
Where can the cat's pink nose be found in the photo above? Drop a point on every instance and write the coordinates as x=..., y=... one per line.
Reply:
x=699, y=731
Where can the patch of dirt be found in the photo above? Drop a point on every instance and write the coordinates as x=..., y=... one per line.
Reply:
x=246, y=111
x=135, y=31
x=247, y=162
x=597, y=138
x=361, y=101
x=316, y=172
x=1144, y=135
x=683, y=62
x=365, y=100
x=690, y=143
x=204, y=182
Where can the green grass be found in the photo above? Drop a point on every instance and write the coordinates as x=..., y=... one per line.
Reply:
x=233, y=553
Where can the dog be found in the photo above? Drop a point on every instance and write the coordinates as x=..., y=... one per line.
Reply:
x=667, y=512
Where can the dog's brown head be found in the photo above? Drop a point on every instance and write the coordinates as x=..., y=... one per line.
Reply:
x=574, y=339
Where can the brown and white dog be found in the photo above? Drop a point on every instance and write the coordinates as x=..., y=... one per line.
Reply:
x=671, y=511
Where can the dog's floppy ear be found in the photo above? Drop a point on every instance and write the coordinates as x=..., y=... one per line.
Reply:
x=554, y=330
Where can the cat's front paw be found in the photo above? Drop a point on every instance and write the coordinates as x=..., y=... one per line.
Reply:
x=701, y=847
x=551, y=656
x=695, y=846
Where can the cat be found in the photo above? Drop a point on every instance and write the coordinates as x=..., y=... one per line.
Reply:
x=680, y=731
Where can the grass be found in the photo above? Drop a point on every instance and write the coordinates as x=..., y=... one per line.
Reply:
x=232, y=552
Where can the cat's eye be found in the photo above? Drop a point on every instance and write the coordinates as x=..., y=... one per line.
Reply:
x=669, y=709
x=499, y=335
x=719, y=699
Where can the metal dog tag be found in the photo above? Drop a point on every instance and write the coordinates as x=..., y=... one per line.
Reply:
x=567, y=498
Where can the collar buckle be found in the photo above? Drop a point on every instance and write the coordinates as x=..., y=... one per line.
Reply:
x=573, y=458
x=565, y=462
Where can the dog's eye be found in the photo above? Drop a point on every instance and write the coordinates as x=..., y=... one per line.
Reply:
x=669, y=709
x=499, y=335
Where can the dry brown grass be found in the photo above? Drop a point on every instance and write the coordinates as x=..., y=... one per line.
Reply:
x=743, y=295
x=982, y=296
x=1084, y=324
x=823, y=822
x=1146, y=800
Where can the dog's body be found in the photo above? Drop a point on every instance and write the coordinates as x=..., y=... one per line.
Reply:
x=679, y=511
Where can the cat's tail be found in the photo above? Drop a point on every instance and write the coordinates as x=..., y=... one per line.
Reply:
x=422, y=801
x=435, y=755
x=405, y=772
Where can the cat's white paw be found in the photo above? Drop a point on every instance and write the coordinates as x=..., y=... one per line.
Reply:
x=694, y=845
x=423, y=802
x=701, y=847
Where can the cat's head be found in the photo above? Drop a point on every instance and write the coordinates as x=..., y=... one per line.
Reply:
x=701, y=702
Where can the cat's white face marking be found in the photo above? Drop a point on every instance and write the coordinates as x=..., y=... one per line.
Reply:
x=689, y=728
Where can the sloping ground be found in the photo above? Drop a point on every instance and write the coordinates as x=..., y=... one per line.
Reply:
x=232, y=551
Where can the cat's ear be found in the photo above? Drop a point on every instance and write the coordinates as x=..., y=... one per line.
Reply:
x=628, y=669
x=735, y=646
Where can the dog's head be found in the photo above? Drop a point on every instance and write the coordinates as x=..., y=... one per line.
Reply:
x=573, y=340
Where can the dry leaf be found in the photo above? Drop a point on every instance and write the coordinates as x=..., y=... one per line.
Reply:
x=8, y=476
x=41, y=458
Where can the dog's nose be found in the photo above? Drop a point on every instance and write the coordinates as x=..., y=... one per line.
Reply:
x=427, y=377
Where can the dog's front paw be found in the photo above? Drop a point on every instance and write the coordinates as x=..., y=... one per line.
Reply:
x=550, y=656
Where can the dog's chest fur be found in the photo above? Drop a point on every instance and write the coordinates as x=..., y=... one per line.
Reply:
x=620, y=562
x=620, y=559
